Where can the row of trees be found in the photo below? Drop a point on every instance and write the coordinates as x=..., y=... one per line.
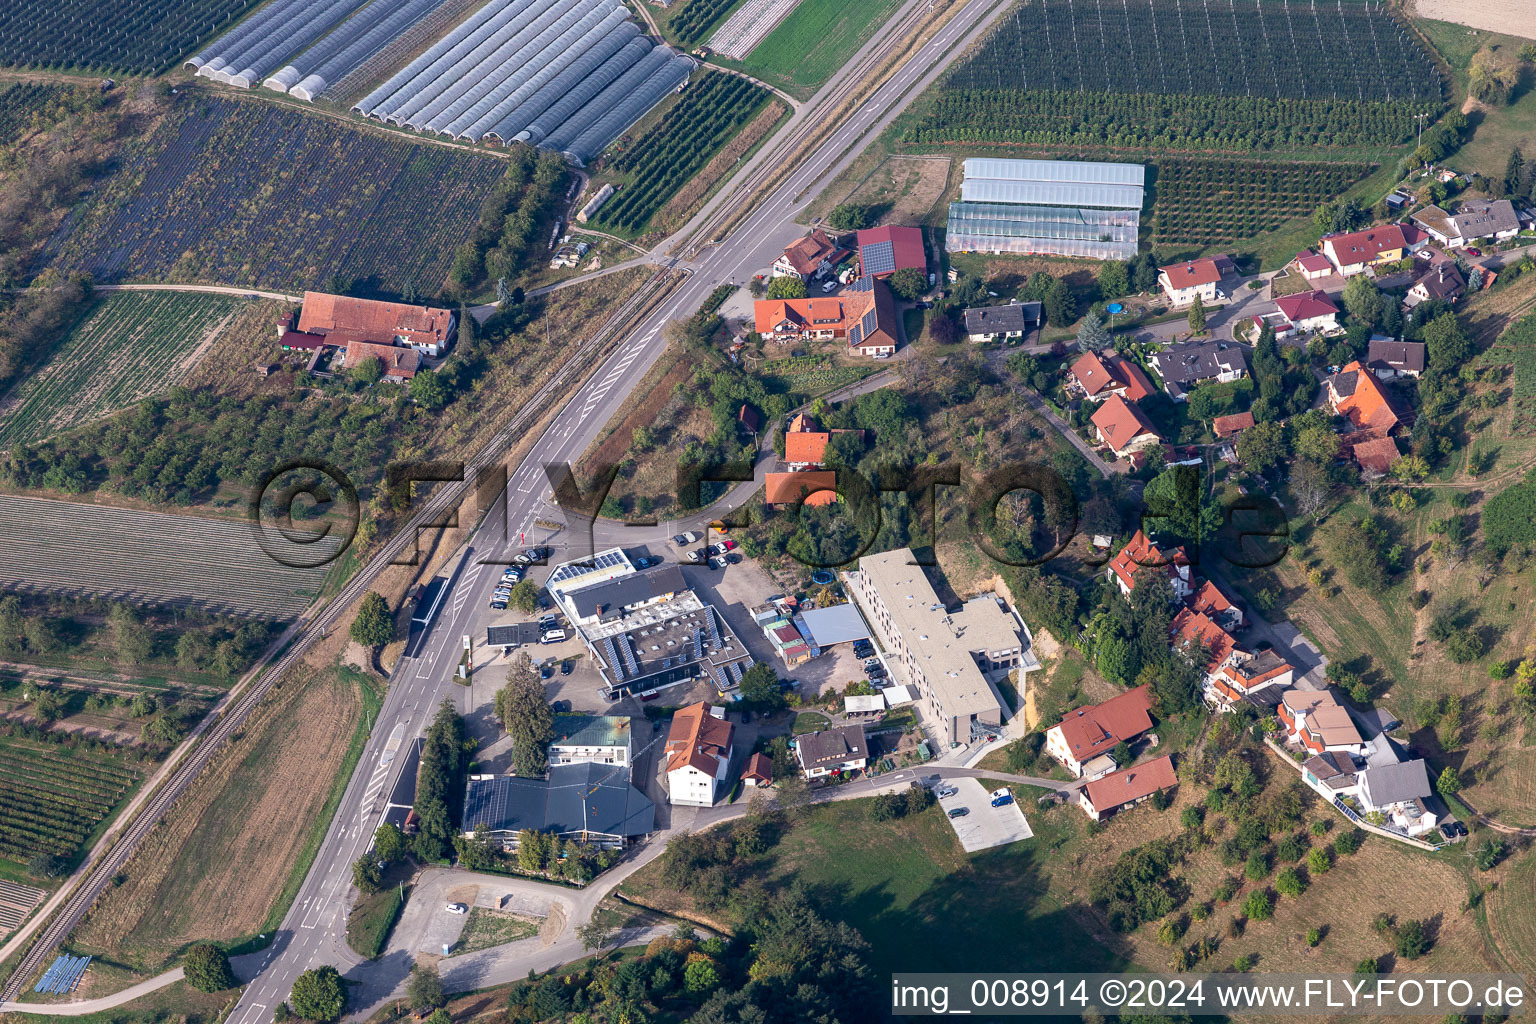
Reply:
x=440, y=784
x=521, y=202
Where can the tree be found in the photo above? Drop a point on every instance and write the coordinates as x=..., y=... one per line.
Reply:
x=1289, y=883
x=1514, y=175
x=760, y=687
x=1409, y=940
x=1059, y=304
x=1449, y=783
x=367, y=372
x=787, y=287
x=908, y=283
x=524, y=596
x=1114, y=279
x=424, y=989
x=429, y=390
x=1363, y=301
x=1257, y=867
x=1318, y=861
x=1258, y=906
x=365, y=875
x=207, y=968
x=48, y=865
x=129, y=635
x=1262, y=447
x=1197, y=315
x=849, y=217
x=373, y=626
x=594, y=935
x=319, y=995
x=526, y=715
x=1092, y=335
x=389, y=843
x=47, y=703
x=700, y=976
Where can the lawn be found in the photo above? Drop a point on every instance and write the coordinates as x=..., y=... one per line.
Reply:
x=810, y=721
x=372, y=919
x=1499, y=129
x=485, y=928
x=815, y=40
x=129, y=346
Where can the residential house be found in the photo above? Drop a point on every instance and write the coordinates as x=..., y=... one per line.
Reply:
x=1182, y=282
x=759, y=771
x=399, y=364
x=1002, y=323
x=832, y=751
x=1441, y=280
x=1388, y=358
x=749, y=420
x=1397, y=792
x=1309, y=311
x=865, y=314
x=952, y=658
x=805, y=443
x=817, y=487
x=1356, y=394
x=342, y=319
x=584, y=802
x=1374, y=456
x=605, y=739
x=1211, y=602
x=1205, y=643
x=1124, y=427
x=1316, y=722
x=1232, y=424
x=1098, y=375
x=1357, y=251
x=1312, y=266
x=815, y=255
x=698, y=750
x=1142, y=555
x=1258, y=680
x=885, y=250
x=1473, y=221
x=1087, y=733
x=1191, y=363
x=1115, y=792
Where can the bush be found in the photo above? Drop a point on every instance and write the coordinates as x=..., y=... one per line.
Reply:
x=424, y=990
x=1348, y=842
x=1366, y=966
x=1314, y=936
x=1289, y=883
x=1318, y=861
x=1257, y=867
x=207, y=968
x=1409, y=940
x=1258, y=906
x=1226, y=890
x=1292, y=849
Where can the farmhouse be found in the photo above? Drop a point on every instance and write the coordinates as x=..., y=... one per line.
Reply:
x=1388, y=358
x=341, y=319
x=1103, y=797
x=1124, y=427
x=1141, y=555
x=1309, y=311
x=1473, y=221
x=1355, y=252
x=812, y=256
x=698, y=749
x=1355, y=394
x=951, y=657
x=1086, y=733
x=832, y=751
x=1098, y=375
x=1189, y=363
x=1183, y=282
x=885, y=250
x=996, y=323
x=585, y=802
x=399, y=364
x=865, y=314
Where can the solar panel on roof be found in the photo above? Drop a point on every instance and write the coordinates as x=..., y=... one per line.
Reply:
x=878, y=258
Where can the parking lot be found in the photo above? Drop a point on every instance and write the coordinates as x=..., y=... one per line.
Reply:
x=983, y=826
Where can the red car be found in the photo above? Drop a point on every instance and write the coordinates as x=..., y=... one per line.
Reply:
x=1474, y=252
x=730, y=545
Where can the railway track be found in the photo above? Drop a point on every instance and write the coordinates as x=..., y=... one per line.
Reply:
x=268, y=674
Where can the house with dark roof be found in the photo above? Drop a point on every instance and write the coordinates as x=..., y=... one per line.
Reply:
x=811, y=256
x=1086, y=733
x=1189, y=363
x=1002, y=323
x=832, y=751
x=698, y=749
x=1473, y=221
x=1097, y=375
x=613, y=598
x=1124, y=427
x=1259, y=680
x=1356, y=394
x=885, y=250
x=586, y=802
x=1440, y=280
x=1398, y=792
x=1388, y=358
x=1355, y=252
x=1120, y=790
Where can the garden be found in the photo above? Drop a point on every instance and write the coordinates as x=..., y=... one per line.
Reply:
x=261, y=195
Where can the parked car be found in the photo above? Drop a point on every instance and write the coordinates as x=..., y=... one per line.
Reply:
x=650, y=694
x=693, y=556
x=456, y=908
x=566, y=666
x=829, y=286
x=717, y=562
x=645, y=562
x=680, y=540
x=499, y=606
x=522, y=558
x=561, y=707
x=959, y=812
x=552, y=636
x=728, y=544
x=546, y=671
x=1472, y=251
x=1002, y=796
x=733, y=558
x=944, y=791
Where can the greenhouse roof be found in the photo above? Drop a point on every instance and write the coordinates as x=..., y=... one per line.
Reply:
x=1051, y=193
x=1076, y=171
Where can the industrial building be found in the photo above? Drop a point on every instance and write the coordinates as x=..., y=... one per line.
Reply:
x=1053, y=207
x=646, y=629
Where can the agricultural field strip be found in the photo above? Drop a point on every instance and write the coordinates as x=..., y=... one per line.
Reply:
x=136, y=38
x=17, y=902
x=213, y=563
x=690, y=24
x=745, y=28
x=1204, y=202
x=50, y=803
x=257, y=194
x=135, y=344
x=21, y=103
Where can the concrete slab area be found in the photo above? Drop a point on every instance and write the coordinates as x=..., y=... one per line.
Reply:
x=984, y=826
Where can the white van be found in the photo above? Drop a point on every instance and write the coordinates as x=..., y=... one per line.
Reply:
x=552, y=636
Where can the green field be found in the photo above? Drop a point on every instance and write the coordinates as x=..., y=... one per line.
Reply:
x=130, y=346
x=1496, y=131
x=815, y=40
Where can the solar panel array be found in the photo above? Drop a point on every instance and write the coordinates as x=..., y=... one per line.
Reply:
x=1060, y=207
x=628, y=648
x=714, y=628
x=878, y=258
x=63, y=976
x=614, y=662
x=698, y=642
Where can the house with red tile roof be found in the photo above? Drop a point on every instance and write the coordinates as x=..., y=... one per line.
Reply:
x=1142, y=555
x=885, y=250
x=808, y=257
x=810, y=488
x=1356, y=251
x=1375, y=456
x=342, y=318
x=1309, y=311
x=1213, y=603
x=1356, y=394
x=1124, y=427
x=865, y=314
x=1086, y=733
x=1232, y=424
x=805, y=446
x=1312, y=265
x=1181, y=282
x=1200, y=638
x=759, y=771
x=1098, y=375
x=1120, y=790
x=400, y=363
x=698, y=750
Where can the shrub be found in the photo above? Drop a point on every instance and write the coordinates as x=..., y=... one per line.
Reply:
x=1318, y=861
x=1366, y=966
x=1292, y=849
x=1314, y=936
x=1257, y=867
x=1170, y=931
x=1409, y=940
x=1289, y=883
x=1226, y=890
x=1348, y=842
x=1243, y=963
x=1258, y=906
